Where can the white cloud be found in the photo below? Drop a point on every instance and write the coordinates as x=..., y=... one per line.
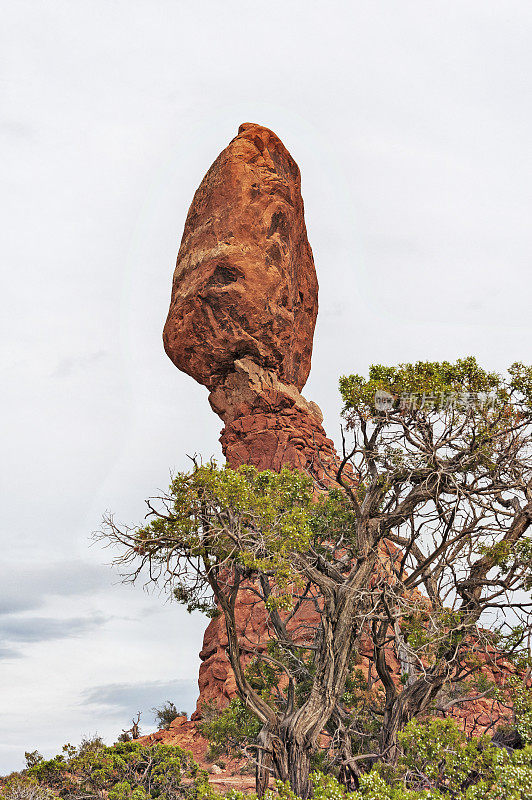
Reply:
x=127, y=698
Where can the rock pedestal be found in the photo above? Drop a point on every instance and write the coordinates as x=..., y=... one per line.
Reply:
x=241, y=321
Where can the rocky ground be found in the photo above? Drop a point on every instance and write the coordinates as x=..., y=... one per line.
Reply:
x=229, y=773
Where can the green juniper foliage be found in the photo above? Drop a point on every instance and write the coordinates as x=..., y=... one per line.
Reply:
x=438, y=762
x=230, y=730
x=506, y=776
x=165, y=714
x=273, y=512
x=438, y=383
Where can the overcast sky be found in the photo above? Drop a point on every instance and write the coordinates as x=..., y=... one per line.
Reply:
x=411, y=122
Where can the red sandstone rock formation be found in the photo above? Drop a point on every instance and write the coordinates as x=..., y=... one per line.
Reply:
x=241, y=321
x=244, y=305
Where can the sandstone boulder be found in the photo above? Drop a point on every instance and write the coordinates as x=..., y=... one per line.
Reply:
x=245, y=283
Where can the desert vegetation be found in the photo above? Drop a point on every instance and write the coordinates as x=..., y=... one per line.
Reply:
x=420, y=558
x=124, y=771
x=437, y=762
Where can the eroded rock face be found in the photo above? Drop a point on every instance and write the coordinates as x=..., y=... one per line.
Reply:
x=241, y=321
x=269, y=424
x=245, y=283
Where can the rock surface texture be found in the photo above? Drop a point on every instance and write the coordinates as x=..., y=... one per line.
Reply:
x=245, y=283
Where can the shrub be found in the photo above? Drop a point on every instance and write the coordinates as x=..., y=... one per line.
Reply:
x=23, y=787
x=438, y=754
x=32, y=758
x=126, y=771
x=511, y=779
x=165, y=714
x=90, y=744
x=229, y=729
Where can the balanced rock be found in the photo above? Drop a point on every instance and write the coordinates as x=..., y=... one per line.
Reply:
x=244, y=305
x=241, y=322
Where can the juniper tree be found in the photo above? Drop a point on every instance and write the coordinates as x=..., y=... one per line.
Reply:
x=422, y=551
